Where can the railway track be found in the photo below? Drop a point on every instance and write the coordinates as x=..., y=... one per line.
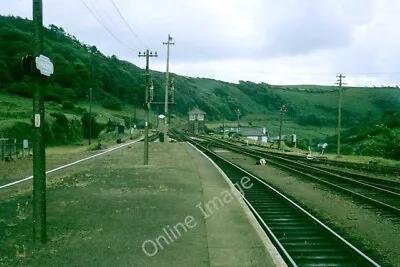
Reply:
x=301, y=239
x=375, y=192
x=382, y=183
x=370, y=167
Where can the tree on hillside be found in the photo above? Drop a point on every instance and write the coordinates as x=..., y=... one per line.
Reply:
x=86, y=122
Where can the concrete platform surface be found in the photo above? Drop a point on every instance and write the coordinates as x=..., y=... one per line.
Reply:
x=113, y=211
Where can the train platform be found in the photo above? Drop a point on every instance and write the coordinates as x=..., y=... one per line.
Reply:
x=177, y=211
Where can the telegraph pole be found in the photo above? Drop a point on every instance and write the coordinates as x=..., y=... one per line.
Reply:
x=340, y=83
x=90, y=115
x=282, y=110
x=147, y=54
x=134, y=108
x=91, y=96
x=39, y=153
x=238, y=116
x=168, y=43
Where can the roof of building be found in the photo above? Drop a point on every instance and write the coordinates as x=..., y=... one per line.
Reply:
x=248, y=131
x=195, y=111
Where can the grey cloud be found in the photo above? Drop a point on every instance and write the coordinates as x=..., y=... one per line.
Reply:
x=303, y=27
x=204, y=31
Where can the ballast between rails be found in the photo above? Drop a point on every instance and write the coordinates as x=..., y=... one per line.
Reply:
x=370, y=167
x=295, y=251
x=379, y=197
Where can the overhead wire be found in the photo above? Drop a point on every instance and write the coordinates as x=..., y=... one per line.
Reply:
x=127, y=24
x=100, y=10
x=99, y=20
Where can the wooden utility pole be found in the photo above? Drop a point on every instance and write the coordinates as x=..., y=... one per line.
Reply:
x=147, y=54
x=168, y=43
x=91, y=95
x=238, y=117
x=340, y=83
x=282, y=110
x=39, y=153
x=90, y=115
x=134, y=108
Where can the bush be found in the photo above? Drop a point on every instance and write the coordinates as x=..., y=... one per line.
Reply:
x=19, y=131
x=80, y=110
x=68, y=105
x=54, y=92
x=302, y=144
x=208, y=130
x=289, y=143
x=59, y=128
x=95, y=127
x=346, y=149
x=21, y=89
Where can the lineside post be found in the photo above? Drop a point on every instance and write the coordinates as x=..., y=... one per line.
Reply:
x=340, y=83
x=147, y=54
x=168, y=43
x=39, y=153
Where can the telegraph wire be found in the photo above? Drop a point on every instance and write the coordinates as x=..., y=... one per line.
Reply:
x=99, y=7
x=101, y=18
x=105, y=27
x=100, y=11
x=127, y=24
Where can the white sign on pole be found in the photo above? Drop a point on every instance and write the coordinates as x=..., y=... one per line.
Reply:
x=44, y=65
x=37, y=120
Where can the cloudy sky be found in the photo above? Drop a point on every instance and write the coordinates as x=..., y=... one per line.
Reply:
x=273, y=41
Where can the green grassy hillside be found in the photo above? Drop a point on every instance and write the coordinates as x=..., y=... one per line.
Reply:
x=118, y=86
x=16, y=113
x=115, y=82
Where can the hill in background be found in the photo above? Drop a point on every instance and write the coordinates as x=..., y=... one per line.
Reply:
x=117, y=85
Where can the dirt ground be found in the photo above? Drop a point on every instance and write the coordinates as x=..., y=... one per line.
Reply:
x=22, y=167
x=100, y=213
x=377, y=235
